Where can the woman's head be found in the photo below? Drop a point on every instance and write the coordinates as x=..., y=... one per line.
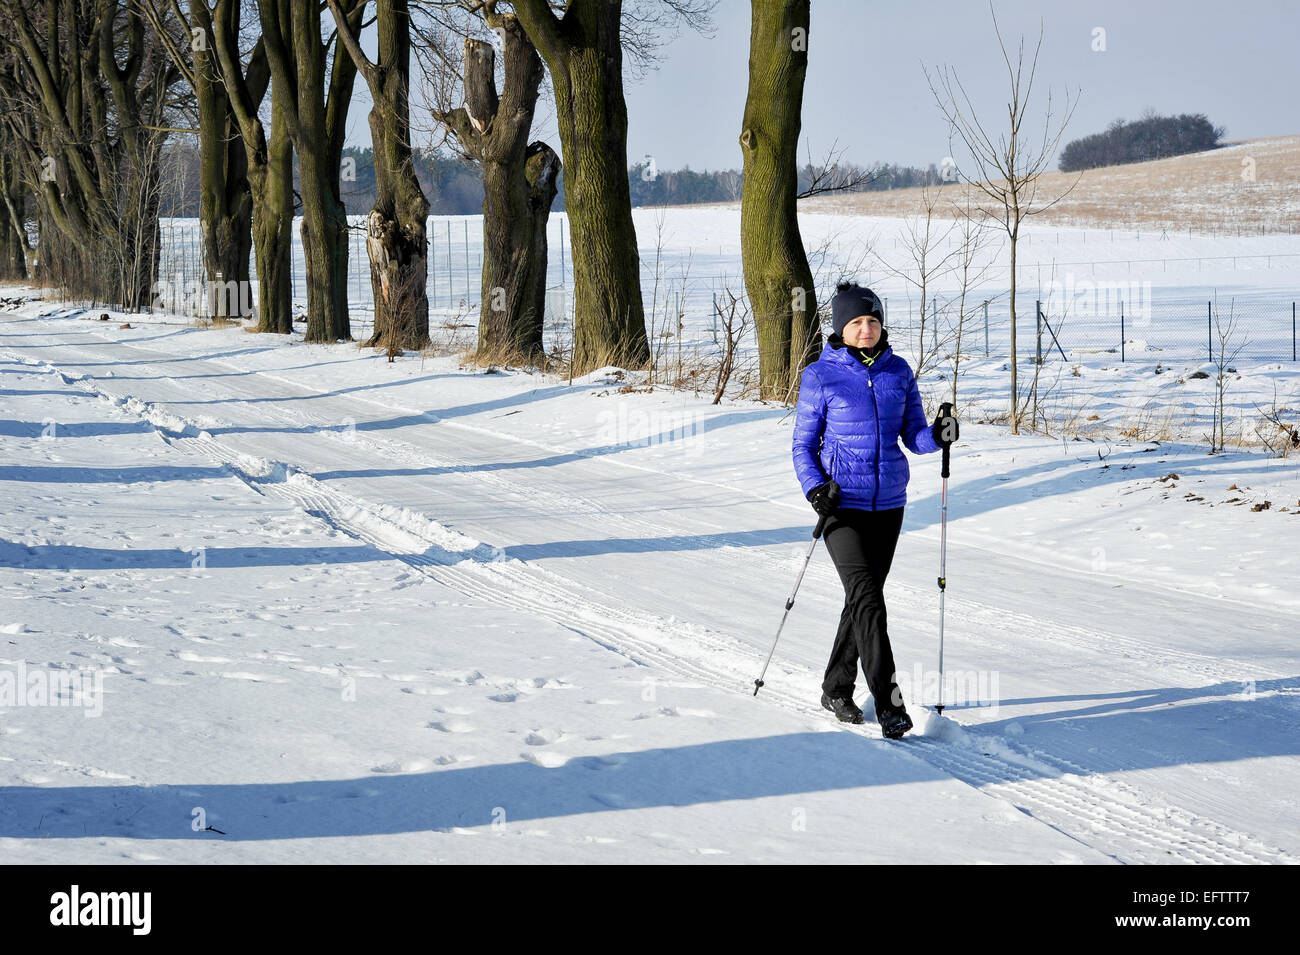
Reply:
x=860, y=308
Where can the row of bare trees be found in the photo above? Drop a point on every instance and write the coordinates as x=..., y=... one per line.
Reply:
x=97, y=86
x=88, y=98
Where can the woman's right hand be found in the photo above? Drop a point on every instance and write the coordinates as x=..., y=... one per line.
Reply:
x=825, y=498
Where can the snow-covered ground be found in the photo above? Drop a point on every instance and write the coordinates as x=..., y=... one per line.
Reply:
x=345, y=610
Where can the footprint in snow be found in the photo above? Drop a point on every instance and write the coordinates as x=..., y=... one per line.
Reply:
x=609, y=761
x=252, y=677
x=191, y=657
x=543, y=736
x=403, y=766
x=545, y=760
x=675, y=711
x=452, y=726
x=452, y=760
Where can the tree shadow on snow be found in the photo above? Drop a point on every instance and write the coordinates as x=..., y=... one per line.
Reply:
x=389, y=803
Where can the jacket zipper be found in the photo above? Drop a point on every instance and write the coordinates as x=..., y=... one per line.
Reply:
x=875, y=492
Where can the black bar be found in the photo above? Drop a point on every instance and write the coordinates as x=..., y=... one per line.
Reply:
x=326, y=905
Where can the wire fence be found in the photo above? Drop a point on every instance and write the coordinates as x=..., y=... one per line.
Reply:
x=1091, y=328
x=1078, y=322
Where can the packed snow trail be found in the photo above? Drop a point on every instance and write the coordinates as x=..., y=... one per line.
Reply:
x=679, y=567
x=276, y=691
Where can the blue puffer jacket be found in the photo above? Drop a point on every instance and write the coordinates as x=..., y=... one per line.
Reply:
x=848, y=423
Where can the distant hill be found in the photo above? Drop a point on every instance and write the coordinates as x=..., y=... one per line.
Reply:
x=1251, y=187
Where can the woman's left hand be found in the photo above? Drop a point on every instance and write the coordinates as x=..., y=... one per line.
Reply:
x=945, y=430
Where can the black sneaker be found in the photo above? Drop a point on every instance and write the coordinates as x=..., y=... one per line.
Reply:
x=894, y=723
x=845, y=710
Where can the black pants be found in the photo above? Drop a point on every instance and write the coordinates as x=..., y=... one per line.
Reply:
x=862, y=543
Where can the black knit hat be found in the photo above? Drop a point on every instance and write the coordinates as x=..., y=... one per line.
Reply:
x=852, y=300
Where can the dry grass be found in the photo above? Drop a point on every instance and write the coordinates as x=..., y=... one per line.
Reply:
x=1201, y=192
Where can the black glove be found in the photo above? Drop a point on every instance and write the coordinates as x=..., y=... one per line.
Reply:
x=825, y=498
x=945, y=427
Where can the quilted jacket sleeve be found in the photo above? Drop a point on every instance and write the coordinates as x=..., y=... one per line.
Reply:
x=917, y=434
x=809, y=422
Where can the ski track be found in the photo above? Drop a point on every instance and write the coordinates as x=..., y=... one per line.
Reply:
x=1113, y=817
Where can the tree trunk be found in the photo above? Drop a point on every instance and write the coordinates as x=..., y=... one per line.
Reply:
x=225, y=204
x=519, y=184
x=268, y=167
x=1015, y=396
x=777, y=277
x=315, y=117
x=14, y=247
x=324, y=243
x=585, y=57
x=395, y=228
x=271, y=181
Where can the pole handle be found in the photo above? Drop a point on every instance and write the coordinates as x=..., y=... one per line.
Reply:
x=945, y=410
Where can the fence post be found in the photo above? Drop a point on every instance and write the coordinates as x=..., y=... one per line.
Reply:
x=986, y=329
x=1038, y=337
x=1293, y=331
x=1121, y=330
x=1209, y=330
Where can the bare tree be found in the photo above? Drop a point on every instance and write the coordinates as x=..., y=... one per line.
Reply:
x=733, y=323
x=225, y=202
x=311, y=89
x=1228, y=344
x=16, y=250
x=395, y=228
x=520, y=178
x=777, y=275
x=1006, y=163
x=583, y=44
x=268, y=162
x=583, y=49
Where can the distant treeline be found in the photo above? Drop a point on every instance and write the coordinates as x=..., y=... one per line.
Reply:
x=1152, y=137
x=454, y=186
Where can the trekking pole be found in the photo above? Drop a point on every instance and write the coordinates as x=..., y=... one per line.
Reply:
x=817, y=532
x=945, y=410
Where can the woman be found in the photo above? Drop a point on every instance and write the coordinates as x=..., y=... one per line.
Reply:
x=855, y=402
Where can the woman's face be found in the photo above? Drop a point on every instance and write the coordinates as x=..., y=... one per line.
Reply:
x=862, y=332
